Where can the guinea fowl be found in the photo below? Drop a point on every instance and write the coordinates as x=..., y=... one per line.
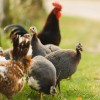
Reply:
x=65, y=62
x=12, y=73
x=42, y=76
x=50, y=34
x=38, y=48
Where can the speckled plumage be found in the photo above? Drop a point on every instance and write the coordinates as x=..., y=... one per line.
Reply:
x=12, y=72
x=65, y=62
x=38, y=48
x=44, y=72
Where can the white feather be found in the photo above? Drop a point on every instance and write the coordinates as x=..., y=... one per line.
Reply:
x=33, y=83
x=21, y=80
x=30, y=51
x=2, y=59
x=3, y=71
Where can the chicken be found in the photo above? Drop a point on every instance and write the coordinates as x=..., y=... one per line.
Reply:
x=12, y=73
x=50, y=34
x=42, y=76
x=65, y=62
x=37, y=47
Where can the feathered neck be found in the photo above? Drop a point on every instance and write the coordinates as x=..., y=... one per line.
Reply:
x=52, y=22
x=78, y=54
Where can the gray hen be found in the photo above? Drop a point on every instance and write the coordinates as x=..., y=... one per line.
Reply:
x=42, y=75
x=38, y=48
x=65, y=62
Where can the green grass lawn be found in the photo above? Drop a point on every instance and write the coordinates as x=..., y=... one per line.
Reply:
x=85, y=83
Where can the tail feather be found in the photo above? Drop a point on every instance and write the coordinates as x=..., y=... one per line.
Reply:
x=17, y=29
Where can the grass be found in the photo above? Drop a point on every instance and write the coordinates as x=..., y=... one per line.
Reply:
x=85, y=83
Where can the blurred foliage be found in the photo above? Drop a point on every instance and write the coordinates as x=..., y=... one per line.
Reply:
x=25, y=11
x=5, y=17
x=20, y=11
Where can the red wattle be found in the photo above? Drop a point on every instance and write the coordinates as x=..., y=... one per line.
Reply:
x=58, y=15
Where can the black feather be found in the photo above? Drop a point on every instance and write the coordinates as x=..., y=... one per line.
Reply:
x=17, y=29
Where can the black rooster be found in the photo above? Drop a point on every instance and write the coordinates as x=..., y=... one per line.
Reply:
x=50, y=34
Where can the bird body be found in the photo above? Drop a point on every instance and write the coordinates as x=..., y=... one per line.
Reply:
x=65, y=62
x=38, y=48
x=52, y=47
x=12, y=72
x=50, y=34
x=11, y=79
x=42, y=75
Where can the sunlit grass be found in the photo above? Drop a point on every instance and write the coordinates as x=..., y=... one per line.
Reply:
x=85, y=83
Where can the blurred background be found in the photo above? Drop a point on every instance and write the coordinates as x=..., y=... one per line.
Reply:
x=80, y=22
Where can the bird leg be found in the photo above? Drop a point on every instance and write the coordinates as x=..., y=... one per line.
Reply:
x=58, y=84
x=59, y=87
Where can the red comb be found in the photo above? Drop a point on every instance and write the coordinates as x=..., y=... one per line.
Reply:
x=57, y=5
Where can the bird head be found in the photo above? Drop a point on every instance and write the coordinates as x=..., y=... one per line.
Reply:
x=1, y=51
x=79, y=47
x=53, y=90
x=33, y=30
x=57, y=9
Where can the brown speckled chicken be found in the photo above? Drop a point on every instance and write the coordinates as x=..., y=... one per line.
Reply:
x=12, y=72
x=65, y=62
